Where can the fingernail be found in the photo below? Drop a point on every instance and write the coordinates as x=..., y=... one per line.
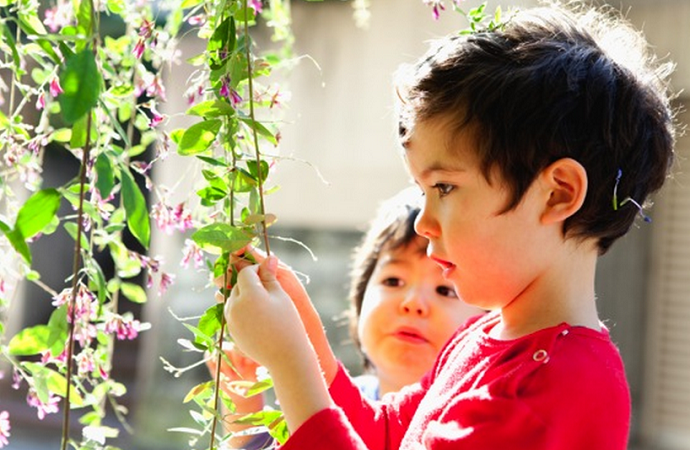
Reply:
x=272, y=263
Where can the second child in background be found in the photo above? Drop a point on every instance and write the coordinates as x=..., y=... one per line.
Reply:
x=402, y=310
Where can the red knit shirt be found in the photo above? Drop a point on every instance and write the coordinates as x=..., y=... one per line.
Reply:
x=561, y=388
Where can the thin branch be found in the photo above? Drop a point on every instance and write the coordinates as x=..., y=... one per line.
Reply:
x=75, y=279
x=254, y=132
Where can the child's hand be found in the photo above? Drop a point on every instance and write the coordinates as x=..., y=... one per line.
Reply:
x=262, y=318
x=266, y=326
x=308, y=314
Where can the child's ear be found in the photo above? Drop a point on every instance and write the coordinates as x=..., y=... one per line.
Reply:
x=565, y=185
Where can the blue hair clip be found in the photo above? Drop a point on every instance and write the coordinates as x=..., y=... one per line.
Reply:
x=617, y=205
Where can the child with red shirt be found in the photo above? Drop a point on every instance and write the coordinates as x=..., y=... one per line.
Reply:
x=535, y=143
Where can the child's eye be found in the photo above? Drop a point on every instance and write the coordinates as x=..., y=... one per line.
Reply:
x=443, y=189
x=392, y=282
x=446, y=291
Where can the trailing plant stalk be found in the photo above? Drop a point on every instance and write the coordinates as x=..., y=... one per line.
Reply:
x=75, y=280
x=254, y=132
x=219, y=360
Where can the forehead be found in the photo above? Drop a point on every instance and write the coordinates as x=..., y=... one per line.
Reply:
x=435, y=145
x=417, y=246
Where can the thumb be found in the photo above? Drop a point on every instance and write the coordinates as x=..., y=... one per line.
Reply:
x=268, y=269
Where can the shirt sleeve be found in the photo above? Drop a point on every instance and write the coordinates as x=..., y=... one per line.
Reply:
x=357, y=423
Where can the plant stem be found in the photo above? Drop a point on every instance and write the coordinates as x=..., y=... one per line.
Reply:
x=75, y=279
x=255, y=136
x=219, y=361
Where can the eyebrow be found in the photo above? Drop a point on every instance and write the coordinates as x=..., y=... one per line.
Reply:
x=440, y=168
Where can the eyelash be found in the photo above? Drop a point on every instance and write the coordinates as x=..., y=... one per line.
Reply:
x=443, y=189
x=446, y=291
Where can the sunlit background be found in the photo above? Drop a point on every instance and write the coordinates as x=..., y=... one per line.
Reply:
x=341, y=160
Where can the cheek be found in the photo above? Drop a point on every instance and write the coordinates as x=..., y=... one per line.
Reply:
x=368, y=320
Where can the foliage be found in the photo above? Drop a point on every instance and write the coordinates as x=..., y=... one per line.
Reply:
x=98, y=96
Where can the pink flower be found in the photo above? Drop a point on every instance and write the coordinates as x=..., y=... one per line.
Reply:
x=55, y=88
x=146, y=29
x=4, y=428
x=41, y=102
x=123, y=327
x=436, y=7
x=256, y=6
x=235, y=98
x=191, y=252
x=85, y=362
x=156, y=118
x=139, y=49
x=43, y=408
x=167, y=280
x=198, y=19
x=225, y=88
x=168, y=218
x=84, y=310
x=58, y=16
x=16, y=379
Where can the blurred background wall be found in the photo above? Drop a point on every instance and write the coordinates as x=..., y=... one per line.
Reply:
x=340, y=121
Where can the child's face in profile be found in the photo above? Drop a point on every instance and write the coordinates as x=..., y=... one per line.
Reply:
x=408, y=313
x=491, y=256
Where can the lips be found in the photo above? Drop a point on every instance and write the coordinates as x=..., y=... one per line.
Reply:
x=411, y=335
x=447, y=266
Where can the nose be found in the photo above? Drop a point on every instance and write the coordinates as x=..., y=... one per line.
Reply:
x=424, y=224
x=415, y=302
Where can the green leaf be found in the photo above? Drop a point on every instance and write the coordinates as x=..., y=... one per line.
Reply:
x=222, y=236
x=29, y=21
x=211, y=320
x=259, y=387
x=202, y=389
x=97, y=281
x=19, y=244
x=79, y=132
x=210, y=195
x=105, y=175
x=126, y=265
x=56, y=383
x=116, y=6
x=72, y=229
x=201, y=340
x=190, y=3
x=17, y=241
x=63, y=135
x=279, y=430
x=133, y=292
x=135, y=207
x=199, y=137
x=81, y=82
x=58, y=330
x=213, y=161
x=121, y=90
x=252, y=166
x=212, y=108
x=261, y=129
x=242, y=181
x=30, y=341
x=38, y=212
x=223, y=36
x=84, y=15
x=9, y=40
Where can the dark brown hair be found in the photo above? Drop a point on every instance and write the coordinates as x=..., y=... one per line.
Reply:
x=553, y=83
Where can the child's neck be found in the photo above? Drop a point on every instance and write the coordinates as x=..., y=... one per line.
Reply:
x=562, y=294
